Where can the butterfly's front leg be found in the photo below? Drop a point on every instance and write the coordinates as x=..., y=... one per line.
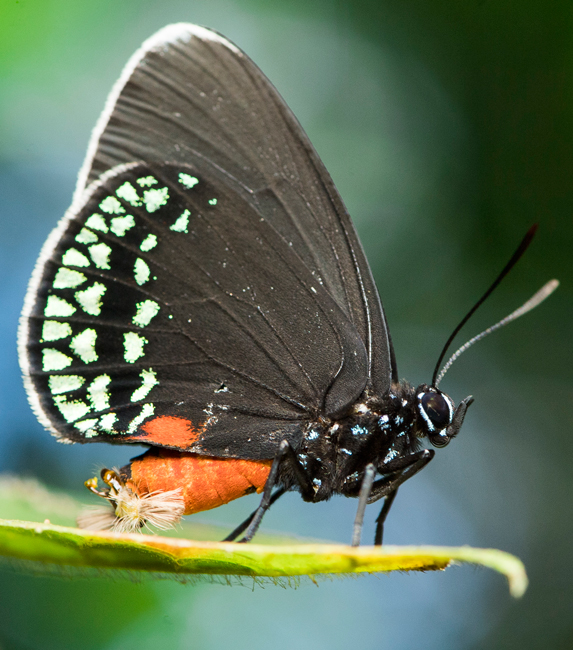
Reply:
x=388, y=501
x=285, y=454
x=400, y=470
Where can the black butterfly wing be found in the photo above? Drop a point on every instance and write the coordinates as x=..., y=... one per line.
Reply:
x=169, y=311
x=191, y=96
x=251, y=311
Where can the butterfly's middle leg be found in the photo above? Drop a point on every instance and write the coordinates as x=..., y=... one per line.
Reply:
x=285, y=454
x=363, y=496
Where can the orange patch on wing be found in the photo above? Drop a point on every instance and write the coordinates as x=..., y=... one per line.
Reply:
x=171, y=431
x=206, y=482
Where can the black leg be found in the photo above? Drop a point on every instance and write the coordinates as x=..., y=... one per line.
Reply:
x=388, y=501
x=365, y=489
x=386, y=488
x=405, y=468
x=239, y=529
x=401, y=470
x=285, y=454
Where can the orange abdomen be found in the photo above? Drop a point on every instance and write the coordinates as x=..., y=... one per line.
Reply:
x=206, y=482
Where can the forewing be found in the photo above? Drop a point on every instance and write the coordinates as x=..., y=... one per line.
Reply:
x=190, y=96
x=167, y=309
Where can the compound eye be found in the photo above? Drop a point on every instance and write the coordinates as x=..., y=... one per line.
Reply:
x=437, y=409
x=440, y=440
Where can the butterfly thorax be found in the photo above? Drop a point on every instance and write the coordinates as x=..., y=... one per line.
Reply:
x=378, y=431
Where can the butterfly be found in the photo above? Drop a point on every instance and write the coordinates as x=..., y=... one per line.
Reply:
x=207, y=295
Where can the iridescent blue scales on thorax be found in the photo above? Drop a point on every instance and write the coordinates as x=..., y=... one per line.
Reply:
x=377, y=431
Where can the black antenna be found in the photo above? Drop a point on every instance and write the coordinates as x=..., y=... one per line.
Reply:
x=512, y=262
x=536, y=299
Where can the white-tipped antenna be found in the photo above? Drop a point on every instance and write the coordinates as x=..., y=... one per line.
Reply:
x=537, y=298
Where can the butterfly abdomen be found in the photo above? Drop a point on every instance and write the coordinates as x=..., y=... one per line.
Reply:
x=205, y=482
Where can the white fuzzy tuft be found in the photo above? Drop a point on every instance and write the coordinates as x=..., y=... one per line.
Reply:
x=131, y=512
x=97, y=518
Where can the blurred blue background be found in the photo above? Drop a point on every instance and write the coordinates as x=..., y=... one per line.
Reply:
x=448, y=129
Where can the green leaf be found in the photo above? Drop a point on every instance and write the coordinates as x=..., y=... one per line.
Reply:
x=47, y=545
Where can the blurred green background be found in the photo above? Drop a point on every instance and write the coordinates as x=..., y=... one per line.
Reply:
x=448, y=129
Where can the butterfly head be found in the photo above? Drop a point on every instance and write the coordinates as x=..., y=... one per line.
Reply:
x=438, y=418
